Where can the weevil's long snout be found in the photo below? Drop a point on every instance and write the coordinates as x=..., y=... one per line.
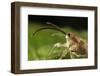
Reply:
x=66, y=36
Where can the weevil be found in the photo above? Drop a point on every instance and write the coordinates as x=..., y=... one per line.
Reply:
x=74, y=44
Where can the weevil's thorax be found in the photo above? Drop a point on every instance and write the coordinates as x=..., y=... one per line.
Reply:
x=74, y=37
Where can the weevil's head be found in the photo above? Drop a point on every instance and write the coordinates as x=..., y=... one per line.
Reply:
x=74, y=37
x=70, y=34
x=66, y=36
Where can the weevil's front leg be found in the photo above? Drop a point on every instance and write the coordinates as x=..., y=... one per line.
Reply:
x=51, y=50
x=59, y=45
x=63, y=54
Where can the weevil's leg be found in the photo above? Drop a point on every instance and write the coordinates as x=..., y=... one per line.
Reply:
x=73, y=55
x=57, y=45
x=81, y=56
x=63, y=54
x=51, y=50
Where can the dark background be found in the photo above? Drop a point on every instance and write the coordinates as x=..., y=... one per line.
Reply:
x=78, y=23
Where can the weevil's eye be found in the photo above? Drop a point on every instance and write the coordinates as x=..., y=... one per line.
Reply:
x=69, y=34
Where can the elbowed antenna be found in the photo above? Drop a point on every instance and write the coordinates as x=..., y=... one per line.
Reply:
x=49, y=23
x=53, y=28
x=48, y=28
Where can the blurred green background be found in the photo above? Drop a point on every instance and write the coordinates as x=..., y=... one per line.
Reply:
x=40, y=45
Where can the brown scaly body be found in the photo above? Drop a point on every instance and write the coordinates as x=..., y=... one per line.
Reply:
x=77, y=45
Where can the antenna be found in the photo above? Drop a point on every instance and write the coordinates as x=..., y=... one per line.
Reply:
x=40, y=29
x=55, y=26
